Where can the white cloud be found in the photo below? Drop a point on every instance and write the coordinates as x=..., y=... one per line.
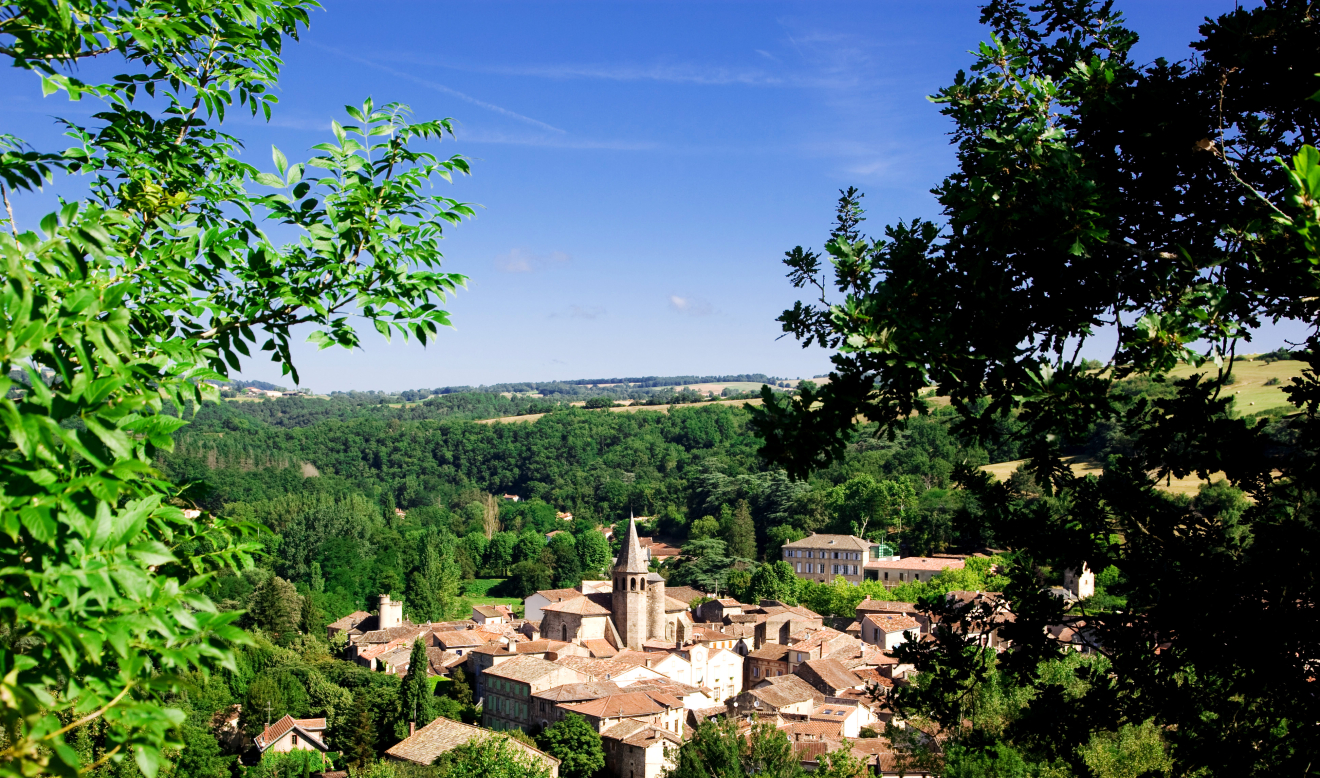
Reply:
x=524, y=261
x=581, y=312
x=692, y=306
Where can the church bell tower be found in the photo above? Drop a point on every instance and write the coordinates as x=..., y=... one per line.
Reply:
x=630, y=595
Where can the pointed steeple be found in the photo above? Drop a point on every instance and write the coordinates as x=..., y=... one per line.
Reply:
x=631, y=559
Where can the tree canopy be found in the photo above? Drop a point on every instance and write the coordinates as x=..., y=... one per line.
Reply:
x=1167, y=210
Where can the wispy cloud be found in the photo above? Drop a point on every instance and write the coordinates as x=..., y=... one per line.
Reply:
x=440, y=88
x=557, y=141
x=524, y=261
x=692, y=306
x=581, y=312
x=669, y=73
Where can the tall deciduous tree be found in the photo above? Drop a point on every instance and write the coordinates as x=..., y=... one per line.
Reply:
x=576, y=744
x=1148, y=203
x=127, y=302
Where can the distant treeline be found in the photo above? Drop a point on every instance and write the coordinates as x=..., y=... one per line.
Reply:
x=594, y=386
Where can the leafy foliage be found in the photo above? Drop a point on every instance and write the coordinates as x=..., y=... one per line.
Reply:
x=576, y=744
x=1155, y=200
x=128, y=302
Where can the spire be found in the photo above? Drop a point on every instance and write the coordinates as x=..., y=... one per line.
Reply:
x=631, y=559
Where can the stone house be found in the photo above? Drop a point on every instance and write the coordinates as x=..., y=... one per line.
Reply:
x=892, y=572
x=782, y=695
x=769, y=661
x=636, y=750
x=652, y=708
x=425, y=745
x=532, y=605
x=716, y=610
x=491, y=614
x=509, y=687
x=828, y=676
x=290, y=734
x=545, y=704
x=887, y=630
x=825, y=557
x=847, y=714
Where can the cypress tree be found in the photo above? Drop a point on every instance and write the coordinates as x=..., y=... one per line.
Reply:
x=742, y=533
x=415, y=693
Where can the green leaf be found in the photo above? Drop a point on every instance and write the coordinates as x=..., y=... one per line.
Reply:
x=281, y=162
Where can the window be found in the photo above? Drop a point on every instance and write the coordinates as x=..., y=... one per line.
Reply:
x=756, y=672
x=886, y=575
x=799, y=567
x=294, y=739
x=854, y=572
x=822, y=568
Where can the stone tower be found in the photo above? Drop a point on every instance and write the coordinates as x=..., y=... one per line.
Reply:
x=630, y=591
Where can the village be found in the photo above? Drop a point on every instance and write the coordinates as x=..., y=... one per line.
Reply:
x=645, y=664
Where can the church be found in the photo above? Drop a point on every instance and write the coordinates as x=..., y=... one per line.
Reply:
x=635, y=615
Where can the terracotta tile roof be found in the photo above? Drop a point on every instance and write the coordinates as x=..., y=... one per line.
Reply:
x=771, y=652
x=684, y=594
x=350, y=621
x=540, y=646
x=444, y=735
x=460, y=639
x=557, y=595
x=795, y=687
x=600, y=648
x=869, y=605
x=855, y=627
x=673, y=605
x=308, y=727
x=816, y=728
x=833, y=542
x=918, y=563
x=890, y=623
x=665, y=686
x=525, y=668
x=406, y=629
x=625, y=705
x=600, y=669
x=492, y=649
x=578, y=692
x=580, y=605
x=833, y=711
x=729, y=602
x=635, y=733
x=833, y=674
x=488, y=611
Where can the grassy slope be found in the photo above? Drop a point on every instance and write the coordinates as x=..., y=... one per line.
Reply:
x=476, y=593
x=1251, y=396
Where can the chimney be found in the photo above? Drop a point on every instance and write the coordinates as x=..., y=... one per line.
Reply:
x=412, y=728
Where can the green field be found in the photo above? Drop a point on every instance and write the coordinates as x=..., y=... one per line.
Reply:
x=476, y=593
x=1250, y=393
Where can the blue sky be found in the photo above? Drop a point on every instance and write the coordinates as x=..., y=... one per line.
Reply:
x=642, y=166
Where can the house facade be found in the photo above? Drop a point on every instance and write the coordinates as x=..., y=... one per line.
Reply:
x=823, y=558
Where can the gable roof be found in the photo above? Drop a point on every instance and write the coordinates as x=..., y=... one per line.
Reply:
x=444, y=734
x=833, y=674
x=555, y=595
x=888, y=623
x=580, y=605
x=350, y=621
x=684, y=594
x=488, y=611
x=840, y=542
x=598, y=668
x=524, y=667
x=920, y=563
x=578, y=692
x=309, y=728
x=625, y=705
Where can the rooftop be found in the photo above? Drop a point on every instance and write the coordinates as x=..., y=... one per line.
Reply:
x=848, y=542
x=524, y=667
x=444, y=734
x=580, y=605
x=919, y=563
x=889, y=623
x=625, y=705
